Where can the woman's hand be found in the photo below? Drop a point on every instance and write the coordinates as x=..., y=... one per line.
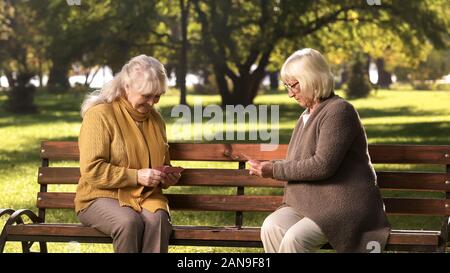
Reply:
x=150, y=177
x=170, y=180
x=263, y=169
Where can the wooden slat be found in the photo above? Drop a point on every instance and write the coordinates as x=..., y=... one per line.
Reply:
x=223, y=152
x=397, y=237
x=56, y=200
x=225, y=177
x=203, y=202
x=415, y=237
x=414, y=181
x=202, y=233
x=416, y=206
x=181, y=202
x=180, y=232
x=217, y=233
x=61, y=150
x=412, y=154
x=58, y=175
x=190, y=177
x=178, y=151
x=237, y=178
x=224, y=202
x=380, y=153
x=55, y=230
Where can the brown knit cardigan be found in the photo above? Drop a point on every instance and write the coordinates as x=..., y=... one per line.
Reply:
x=331, y=179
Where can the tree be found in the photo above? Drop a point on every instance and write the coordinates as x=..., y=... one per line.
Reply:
x=73, y=34
x=239, y=37
x=175, y=27
x=422, y=76
x=19, y=40
x=182, y=71
x=358, y=84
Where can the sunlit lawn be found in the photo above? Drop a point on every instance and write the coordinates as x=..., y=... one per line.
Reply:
x=416, y=117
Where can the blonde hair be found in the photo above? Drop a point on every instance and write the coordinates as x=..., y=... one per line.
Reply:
x=142, y=73
x=311, y=70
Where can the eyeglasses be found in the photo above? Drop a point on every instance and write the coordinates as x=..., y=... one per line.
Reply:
x=290, y=87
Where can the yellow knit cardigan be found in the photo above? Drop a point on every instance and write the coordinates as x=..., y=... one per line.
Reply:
x=103, y=161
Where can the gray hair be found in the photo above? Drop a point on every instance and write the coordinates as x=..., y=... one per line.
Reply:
x=142, y=73
x=312, y=71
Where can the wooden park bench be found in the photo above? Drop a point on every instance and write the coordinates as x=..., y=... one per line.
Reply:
x=240, y=203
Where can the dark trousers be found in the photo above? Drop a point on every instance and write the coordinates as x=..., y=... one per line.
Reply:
x=132, y=232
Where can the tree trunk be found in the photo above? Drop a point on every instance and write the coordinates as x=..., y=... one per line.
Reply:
x=384, y=77
x=41, y=73
x=245, y=86
x=182, y=67
x=273, y=77
x=245, y=89
x=21, y=95
x=345, y=75
x=10, y=79
x=58, y=80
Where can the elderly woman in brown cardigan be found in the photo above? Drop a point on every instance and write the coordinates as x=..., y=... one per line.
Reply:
x=122, y=143
x=331, y=193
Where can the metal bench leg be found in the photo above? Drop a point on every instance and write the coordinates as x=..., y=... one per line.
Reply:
x=43, y=247
x=3, y=234
x=443, y=238
x=16, y=218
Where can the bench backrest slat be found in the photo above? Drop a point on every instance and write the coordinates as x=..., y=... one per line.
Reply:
x=413, y=154
x=60, y=150
x=191, y=177
x=255, y=203
x=430, y=181
x=239, y=179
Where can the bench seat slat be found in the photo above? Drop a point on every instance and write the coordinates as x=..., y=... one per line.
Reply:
x=430, y=181
x=204, y=202
x=413, y=154
x=397, y=237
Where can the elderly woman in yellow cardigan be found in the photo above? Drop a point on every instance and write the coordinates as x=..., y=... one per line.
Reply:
x=122, y=143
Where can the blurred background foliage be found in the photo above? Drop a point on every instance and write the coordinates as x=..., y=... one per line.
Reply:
x=230, y=45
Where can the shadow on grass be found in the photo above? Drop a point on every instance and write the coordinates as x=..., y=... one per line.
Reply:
x=291, y=112
x=51, y=108
x=411, y=133
x=401, y=111
x=28, y=153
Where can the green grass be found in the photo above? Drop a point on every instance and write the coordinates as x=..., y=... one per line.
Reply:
x=416, y=117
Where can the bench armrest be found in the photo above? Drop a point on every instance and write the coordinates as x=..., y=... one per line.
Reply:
x=6, y=212
x=16, y=218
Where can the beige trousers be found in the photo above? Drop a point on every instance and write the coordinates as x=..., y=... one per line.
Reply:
x=131, y=231
x=286, y=231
